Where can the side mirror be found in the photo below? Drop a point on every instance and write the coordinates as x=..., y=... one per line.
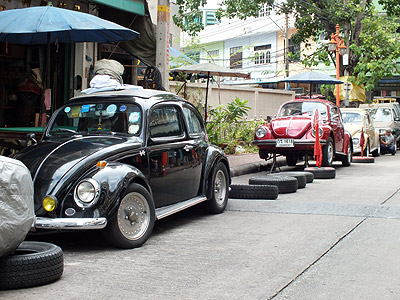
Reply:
x=31, y=138
x=397, y=119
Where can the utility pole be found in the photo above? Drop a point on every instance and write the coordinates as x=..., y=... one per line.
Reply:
x=162, y=41
x=286, y=50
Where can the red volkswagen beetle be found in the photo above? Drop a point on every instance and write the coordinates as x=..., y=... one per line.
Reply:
x=291, y=133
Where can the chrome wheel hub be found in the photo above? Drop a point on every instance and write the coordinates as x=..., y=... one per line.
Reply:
x=133, y=216
x=220, y=187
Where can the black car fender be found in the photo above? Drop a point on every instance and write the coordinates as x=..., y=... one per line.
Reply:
x=113, y=179
x=213, y=157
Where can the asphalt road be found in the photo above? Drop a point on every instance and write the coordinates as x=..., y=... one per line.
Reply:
x=334, y=239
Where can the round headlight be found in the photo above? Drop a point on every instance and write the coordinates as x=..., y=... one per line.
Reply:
x=261, y=132
x=85, y=191
x=356, y=141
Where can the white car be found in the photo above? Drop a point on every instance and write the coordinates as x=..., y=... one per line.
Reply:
x=385, y=115
x=355, y=120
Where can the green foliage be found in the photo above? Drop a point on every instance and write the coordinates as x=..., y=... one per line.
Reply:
x=376, y=61
x=372, y=40
x=228, y=128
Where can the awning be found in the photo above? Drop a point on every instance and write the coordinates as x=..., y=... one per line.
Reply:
x=132, y=6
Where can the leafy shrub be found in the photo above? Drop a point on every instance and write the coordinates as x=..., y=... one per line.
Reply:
x=228, y=128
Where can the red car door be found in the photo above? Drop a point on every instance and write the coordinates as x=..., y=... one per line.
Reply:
x=337, y=127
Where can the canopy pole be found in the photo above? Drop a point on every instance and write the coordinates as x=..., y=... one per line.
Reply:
x=205, y=108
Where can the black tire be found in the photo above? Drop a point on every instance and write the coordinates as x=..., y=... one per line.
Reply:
x=376, y=152
x=291, y=160
x=328, y=152
x=32, y=264
x=363, y=160
x=309, y=176
x=322, y=173
x=301, y=178
x=238, y=191
x=367, y=150
x=346, y=161
x=123, y=229
x=218, y=189
x=263, y=154
x=285, y=184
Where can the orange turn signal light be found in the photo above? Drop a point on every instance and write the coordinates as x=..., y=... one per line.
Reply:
x=101, y=164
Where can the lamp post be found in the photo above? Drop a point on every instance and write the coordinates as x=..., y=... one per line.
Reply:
x=337, y=44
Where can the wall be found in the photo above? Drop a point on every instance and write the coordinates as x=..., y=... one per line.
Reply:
x=263, y=102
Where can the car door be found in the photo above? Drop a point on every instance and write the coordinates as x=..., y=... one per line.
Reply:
x=197, y=137
x=370, y=131
x=172, y=160
x=337, y=127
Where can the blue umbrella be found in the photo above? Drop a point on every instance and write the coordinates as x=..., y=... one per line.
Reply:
x=312, y=77
x=48, y=24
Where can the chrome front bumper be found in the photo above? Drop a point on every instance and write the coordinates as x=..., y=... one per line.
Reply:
x=69, y=223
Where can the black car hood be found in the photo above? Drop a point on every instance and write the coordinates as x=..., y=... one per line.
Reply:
x=50, y=162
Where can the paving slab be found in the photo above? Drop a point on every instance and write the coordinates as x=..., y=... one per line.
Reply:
x=365, y=265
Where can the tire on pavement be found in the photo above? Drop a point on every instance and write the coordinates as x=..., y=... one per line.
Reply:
x=309, y=176
x=242, y=191
x=285, y=184
x=322, y=173
x=219, y=186
x=301, y=178
x=133, y=222
x=328, y=153
x=32, y=264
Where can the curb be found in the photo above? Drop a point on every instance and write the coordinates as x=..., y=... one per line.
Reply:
x=255, y=167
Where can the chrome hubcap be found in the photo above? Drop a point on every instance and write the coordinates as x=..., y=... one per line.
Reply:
x=133, y=216
x=220, y=187
x=330, y=153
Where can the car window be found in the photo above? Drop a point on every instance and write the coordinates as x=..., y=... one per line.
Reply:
x=194, y=124
x=334, y=113
x=305, y=108
x=382, y=114
x=97, y=117
x=351, y=118
x=165, y=122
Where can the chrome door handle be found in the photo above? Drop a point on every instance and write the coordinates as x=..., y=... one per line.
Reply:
x=188, y=147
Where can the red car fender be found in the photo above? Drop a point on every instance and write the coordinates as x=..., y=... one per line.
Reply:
x=347, y=140
x=326, y=132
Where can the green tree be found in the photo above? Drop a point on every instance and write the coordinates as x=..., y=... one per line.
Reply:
x=363, y=30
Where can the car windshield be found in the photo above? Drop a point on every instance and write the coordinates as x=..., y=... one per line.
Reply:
x=352, y=118
x=382, y=114
x=97, y=118
x=305, y=108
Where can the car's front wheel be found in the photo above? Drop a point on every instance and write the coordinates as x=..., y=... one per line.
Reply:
x=218, y=185
x=327, y=153
x=367, y=150
x=133, y=222
x=346, y=161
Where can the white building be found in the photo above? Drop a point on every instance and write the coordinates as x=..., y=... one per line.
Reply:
x=254, y=45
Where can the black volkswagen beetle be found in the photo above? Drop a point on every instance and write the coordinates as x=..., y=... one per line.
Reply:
x=120, y=160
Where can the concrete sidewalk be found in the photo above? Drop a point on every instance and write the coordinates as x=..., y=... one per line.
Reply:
x=246, y=163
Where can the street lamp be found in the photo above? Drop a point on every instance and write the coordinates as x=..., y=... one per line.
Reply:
x=337, y=44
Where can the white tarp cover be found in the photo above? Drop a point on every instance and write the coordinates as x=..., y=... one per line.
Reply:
x=16, y=204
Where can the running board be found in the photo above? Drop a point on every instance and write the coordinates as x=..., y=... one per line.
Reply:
x=166, y=211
